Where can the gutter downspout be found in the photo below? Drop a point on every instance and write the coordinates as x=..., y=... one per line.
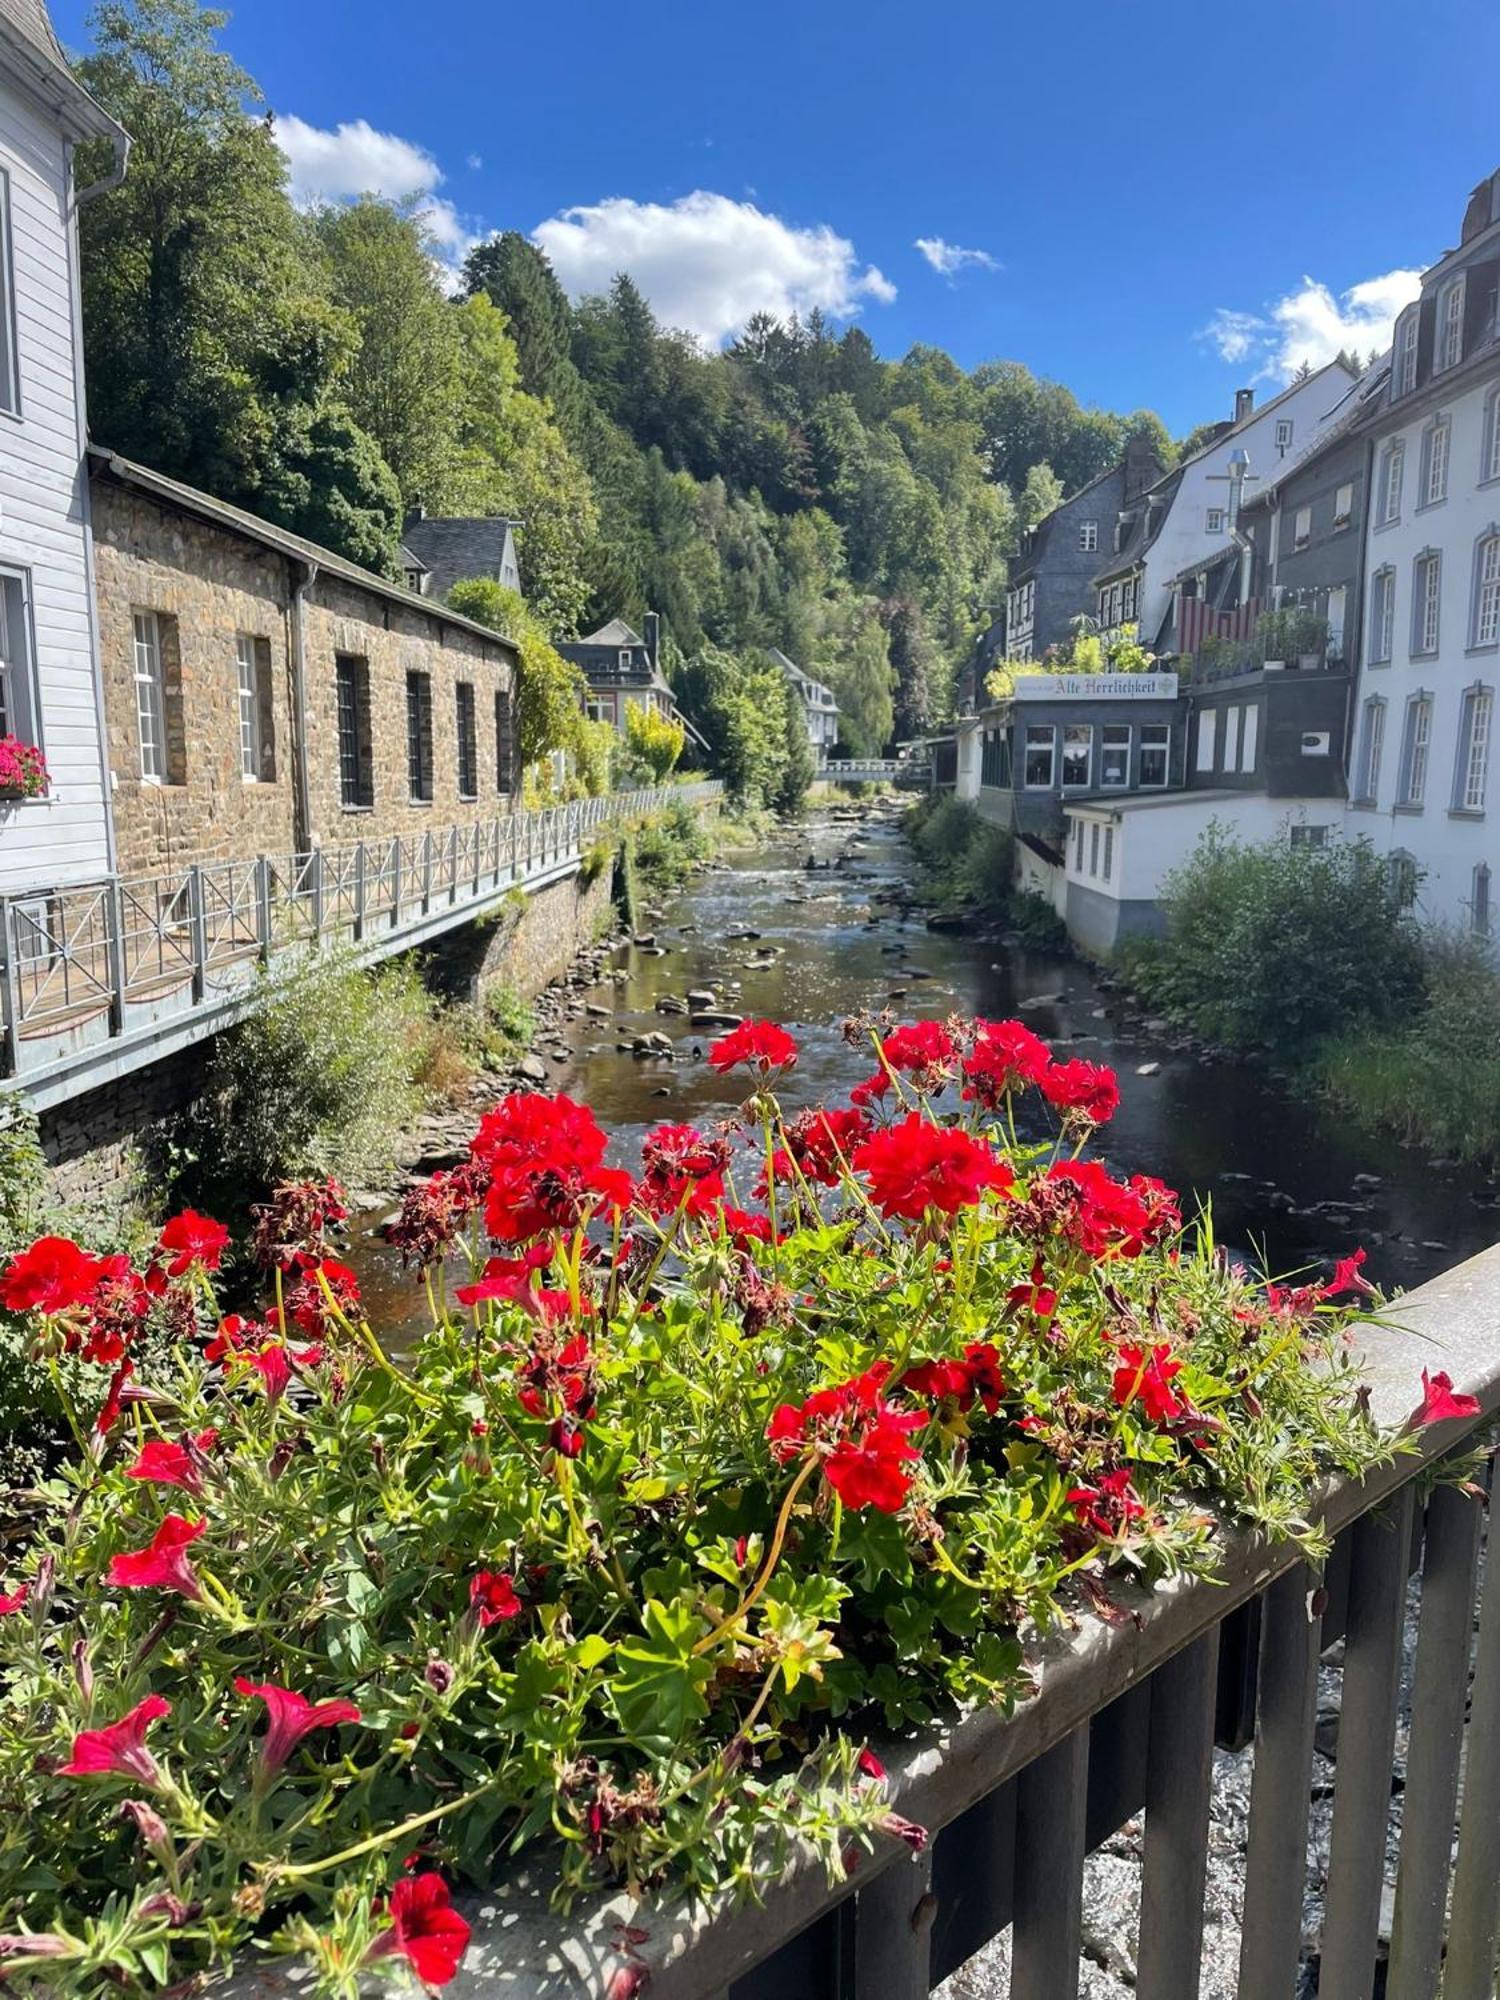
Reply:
x=296, y=649
x=1239, y=465
x=121, y=144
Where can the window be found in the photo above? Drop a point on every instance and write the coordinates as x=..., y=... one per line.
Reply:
x=1382, y=614
x=10, y=385
x=1426, y=601
x=1472, y=774
x=1479, y=901
x=150, y=697
x=599, y=709
x=994, y=759
x=1487, y=596
x=1041, y=754
x=1088, y=536
x=1231, y=738
x=1130, y=592
x=1309, y=836
x=1302, y=528
x=1371, y=740
x=252, y=666
x=419, y=738
x=18, y=703
x=1337, y=600
x=1114, y=757
x=624, y=658
x=1078, y=847
x=1156, y=744
x=1435, y=463
x=505, y=744
x=1415, y=751
x=1109, y=851
x=1406, y=353
x=1450, y=343
x=1249, y=740
x=468, y=741
x=1401, y=873
x=1491, y=467
x=1391, y=465
x=1343, y=506
x=1214, y=521
x=1283, y=433
x=1206, y=726
x=1094, y=848
x=1078, y=756
x=356, y=762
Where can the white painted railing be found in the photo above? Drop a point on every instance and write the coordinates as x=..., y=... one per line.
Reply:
x=98, y=977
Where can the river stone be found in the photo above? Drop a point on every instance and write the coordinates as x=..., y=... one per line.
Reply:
x=532, y=1068
x=596, y=1010
x=701, y=996
x=711, y=1018
x=668, y=1003
x=1147, y=1069
x=652, y=1043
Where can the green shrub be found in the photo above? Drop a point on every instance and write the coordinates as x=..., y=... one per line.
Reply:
x=1434, y=1078
x=967, y=859
x=319, y=1079
x=1274, y=946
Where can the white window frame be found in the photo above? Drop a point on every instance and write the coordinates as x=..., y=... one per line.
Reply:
x=1123, y=735
x=1382, y=616
x=1480, y=883
x=1088, y=537
x=1302, y=528
x=247, y=680
x=1371, y=749
x=623, y=657
x=1085, y=732
x=1151, y=748
x=1213, y=521
x=1038, y=730
x=150, y=696
x=10, y=367
x=1343, y=506
x=1249, y=739
x=1416, y=755
x=1094, y=848
x=1491, y=468
x=1450, y=327
x=1487, y=591
x=1207, y=738
x=1109, y=852
x=1435, y=443
x=1283, y=433
x=1406, y=352
x=1392, y=471
x=20, y=708
x=1427, y=602
x=1472, y=766
x=1231, y=738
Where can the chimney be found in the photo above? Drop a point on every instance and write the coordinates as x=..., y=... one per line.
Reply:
x=418, y=513
x=652, y=623
x=1244, y=403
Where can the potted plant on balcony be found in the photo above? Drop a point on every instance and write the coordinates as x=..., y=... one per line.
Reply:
x=23, y=770
x=1308, y=639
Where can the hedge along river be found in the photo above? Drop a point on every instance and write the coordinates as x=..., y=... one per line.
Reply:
x=827, y=921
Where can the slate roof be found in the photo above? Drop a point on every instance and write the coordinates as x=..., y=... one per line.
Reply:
x=27, y=36
x=614, y=632
x=1341, y=421
x=801, y=679
x=457, y=547
x=1150, y=517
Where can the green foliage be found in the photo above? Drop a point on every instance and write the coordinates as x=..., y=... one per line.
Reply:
x=663, y=851
x=654, y=741
x=319, y=1079
x=745, y=708
x=1433, y=1077
x=1270, y=945
x=1087, y=652
x=966, y=860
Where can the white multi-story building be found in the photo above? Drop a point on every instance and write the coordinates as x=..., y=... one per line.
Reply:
x=1423, y=780
x=50, y=691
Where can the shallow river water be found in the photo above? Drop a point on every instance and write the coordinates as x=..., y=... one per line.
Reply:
x=1289, y=1180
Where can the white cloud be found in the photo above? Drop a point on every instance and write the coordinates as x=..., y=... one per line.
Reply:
x=1311, y=325
x=473, y=162
x=948, y=259
x=354, y=159
x=707, y=263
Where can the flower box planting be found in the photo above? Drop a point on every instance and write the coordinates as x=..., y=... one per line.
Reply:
x=710, y=1475
x=23, y=770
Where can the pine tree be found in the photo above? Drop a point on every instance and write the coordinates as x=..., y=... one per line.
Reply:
x=517, y=277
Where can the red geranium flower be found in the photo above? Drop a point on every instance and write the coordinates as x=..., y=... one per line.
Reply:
x=119, y=1750
x=682, y=1167
x=922, y=1049
x=1036, y=1295
x=557, y=1383
x=1440, y=1402
x=1089, y=1089
x=1078, y=1200
x=1109, y=1504
x=1005, y=1054
x=190, y=1239
x=307, y=1303
x=163, y=1563
x=863, y=1440
x=742, y=1227
x=121, y=1300
x=758, y=1045
x=976, y=1378
x=914, y=1166
x=507, y=1280
x=1149, y=1377
x=492, y=1596
x=289, y=1717
x=822, y=1142
x=51, y=1276
x=543, y=1157
x=872, y=1087
x=425, y=1929
x=13, y=1600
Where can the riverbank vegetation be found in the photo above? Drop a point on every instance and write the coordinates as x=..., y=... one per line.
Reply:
x=968, y=863
x=1315, y=956
x=706, y=1471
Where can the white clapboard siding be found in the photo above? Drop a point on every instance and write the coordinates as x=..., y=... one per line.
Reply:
x=43, y=497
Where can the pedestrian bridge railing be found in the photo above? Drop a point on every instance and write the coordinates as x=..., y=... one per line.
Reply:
x=1126, y=1718
x=99, y=977
x=875, y=770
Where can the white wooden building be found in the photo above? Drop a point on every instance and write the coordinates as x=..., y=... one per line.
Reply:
x=49, y=681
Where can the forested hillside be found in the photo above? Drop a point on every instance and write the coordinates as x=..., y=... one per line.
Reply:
x=794, y=490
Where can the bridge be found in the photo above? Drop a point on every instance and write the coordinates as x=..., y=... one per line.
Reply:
x=907, y=773
x=102, y=977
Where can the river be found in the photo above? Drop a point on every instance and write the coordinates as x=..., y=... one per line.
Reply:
x=1290, y=1181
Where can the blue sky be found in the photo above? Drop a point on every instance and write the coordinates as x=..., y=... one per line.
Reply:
x=1130, y=175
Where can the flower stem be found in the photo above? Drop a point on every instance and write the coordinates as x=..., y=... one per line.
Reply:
x=773, y=1556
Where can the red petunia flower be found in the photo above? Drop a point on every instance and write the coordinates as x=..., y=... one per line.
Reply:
x=1005, y=1055
x=1089, y=1089
x=189, y=1239
x=162, y=1463
x=870, y=1766
x=757, y=1045
x=1441, y=1402
x=914, y=1166
x=1347, y=1278
x=290, y=1717
x=1149, y=1378
x=49, y=1277
x=425, y=1929
x=273, y=1363
x=119, y=1750
x=11, y=1601
x=163, y=1563
x=492, y=1597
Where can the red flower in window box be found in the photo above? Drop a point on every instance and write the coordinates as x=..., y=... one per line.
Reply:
x=23, y=770
x=425, y=1929
x=163, y=1563
x=51, y=1276
x=290, y=1717
x=1005, y=1056
x=914, y=1166
x=120, y=1750
x=191, y=1238
x=1147, y=1378
x=1089, y=1090
x=757, y=1045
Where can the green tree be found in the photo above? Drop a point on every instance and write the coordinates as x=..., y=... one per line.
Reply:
x=515, y=276
x=213, y=350
x=1042, y=492
x=550, y=705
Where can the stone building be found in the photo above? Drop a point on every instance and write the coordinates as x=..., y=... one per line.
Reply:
x=263, y=695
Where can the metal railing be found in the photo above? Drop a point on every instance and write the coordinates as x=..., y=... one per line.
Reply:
x=906, y=772
x=1126, y=1717
x=119, y=960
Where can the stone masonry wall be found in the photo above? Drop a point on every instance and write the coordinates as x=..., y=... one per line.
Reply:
x=525, y=945
x=207, y=585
